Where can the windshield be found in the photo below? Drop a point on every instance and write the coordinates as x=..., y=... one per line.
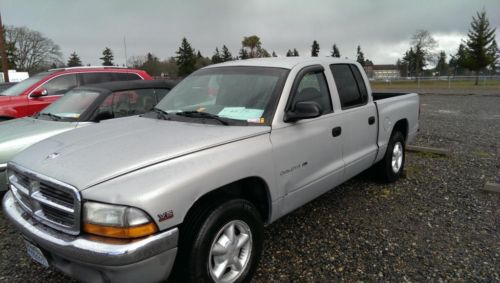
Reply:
x=239, y=93
x=69, y=107
x=20, y=87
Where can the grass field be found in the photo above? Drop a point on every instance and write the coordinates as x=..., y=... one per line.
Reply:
x=436, y=84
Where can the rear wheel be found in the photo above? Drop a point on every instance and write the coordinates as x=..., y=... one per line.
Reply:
x=391, y=167
x=224, y=245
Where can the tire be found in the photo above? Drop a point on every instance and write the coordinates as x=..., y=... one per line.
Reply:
x=391, y=167
x=207, y=246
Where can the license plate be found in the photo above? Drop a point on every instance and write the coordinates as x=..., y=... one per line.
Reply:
x=36, y=254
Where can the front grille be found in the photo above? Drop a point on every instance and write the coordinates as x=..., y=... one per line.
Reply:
x=51, y=202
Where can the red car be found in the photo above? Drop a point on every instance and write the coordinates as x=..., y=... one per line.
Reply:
x=35, y=93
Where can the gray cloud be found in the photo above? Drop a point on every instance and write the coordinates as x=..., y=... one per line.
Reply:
x=382, y=27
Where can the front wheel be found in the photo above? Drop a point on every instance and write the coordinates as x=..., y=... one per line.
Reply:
x=391, y=167
x=226, y=244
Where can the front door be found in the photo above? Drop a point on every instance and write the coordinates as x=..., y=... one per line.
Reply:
x=307, y=153
x=56, y=87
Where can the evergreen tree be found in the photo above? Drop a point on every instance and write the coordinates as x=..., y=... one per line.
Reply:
x=107, y=57
x=274, y=54
x=442, y=66
x=479, y=45
x=185, y=58
x=360, y=56
x=401, y=65
x=262, y=53
x=296, y=53
x=289, y=53
x=458, y=62
x=314, y=49
x=226, y=55
x=198, y=55
x=243, y=54
x=202, y=62
x=335, y=51
x=152, y=65
x=216, y=58
x=74, y=60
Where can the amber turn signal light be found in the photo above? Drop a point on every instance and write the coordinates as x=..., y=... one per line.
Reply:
x=121, y=232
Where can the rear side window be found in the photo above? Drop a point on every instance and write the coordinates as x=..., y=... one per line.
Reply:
x=61, y=84
x=350, y=92
x=95, y=78
x=125, y=76
x=313, y=87
x=361, y=83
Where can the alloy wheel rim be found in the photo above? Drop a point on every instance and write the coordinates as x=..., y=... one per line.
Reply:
x=230, y=252
x=397, y=157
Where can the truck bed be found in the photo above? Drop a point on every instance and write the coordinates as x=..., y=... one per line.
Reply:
x=393, y=107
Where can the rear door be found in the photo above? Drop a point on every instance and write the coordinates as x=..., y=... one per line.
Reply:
x=359, y=114
x=308, y=158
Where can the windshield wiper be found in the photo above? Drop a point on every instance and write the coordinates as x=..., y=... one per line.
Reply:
x=54, y=117
x=203, y=115
x=161, y=113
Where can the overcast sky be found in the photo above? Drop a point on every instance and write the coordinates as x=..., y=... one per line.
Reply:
x=383, y=28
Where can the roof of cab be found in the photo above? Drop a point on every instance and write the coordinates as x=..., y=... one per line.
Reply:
x=282, y=62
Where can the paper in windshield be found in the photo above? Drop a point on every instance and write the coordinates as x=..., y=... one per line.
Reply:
x=241, y=113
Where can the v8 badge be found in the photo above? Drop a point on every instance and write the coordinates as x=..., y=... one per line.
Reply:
x=165, y=215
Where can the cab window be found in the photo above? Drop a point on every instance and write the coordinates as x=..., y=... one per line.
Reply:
x=313, y=87
x=350, y=85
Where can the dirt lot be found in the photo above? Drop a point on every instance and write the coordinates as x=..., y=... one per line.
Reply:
x=433, y=225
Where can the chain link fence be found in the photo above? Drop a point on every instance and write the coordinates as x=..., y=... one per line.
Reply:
x=438, y=82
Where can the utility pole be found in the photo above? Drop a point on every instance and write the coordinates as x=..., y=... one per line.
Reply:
x=125, y=47
x=3, y=53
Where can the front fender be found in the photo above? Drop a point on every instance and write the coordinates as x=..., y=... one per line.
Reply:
x=8, y=113
x=175, y=185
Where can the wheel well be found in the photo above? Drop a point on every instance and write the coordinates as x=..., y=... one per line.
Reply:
x=253, y=189
x=5, y=118
x=401, y=126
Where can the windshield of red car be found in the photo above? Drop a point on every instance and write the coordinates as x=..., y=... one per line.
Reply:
x=22, y=86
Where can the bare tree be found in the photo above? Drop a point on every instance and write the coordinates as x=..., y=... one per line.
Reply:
x=34, y=51
x=423, y=44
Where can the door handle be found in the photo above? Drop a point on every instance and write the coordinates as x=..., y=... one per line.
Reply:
x=371, y=120
x=336, y=131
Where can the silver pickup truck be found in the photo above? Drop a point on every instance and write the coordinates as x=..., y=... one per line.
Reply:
x=233, y=147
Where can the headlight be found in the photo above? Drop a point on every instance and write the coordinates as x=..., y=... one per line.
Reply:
x=116, y=221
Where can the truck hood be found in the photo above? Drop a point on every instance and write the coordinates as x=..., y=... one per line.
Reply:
x=16, y=135
x=92, y=155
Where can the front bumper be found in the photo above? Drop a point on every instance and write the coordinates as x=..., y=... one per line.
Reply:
x=89, y=260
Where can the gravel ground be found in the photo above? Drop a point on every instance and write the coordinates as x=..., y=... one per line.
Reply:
x=432, y=225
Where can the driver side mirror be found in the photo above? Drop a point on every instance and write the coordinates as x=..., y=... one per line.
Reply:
x=303, y=110
x=39, y=92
